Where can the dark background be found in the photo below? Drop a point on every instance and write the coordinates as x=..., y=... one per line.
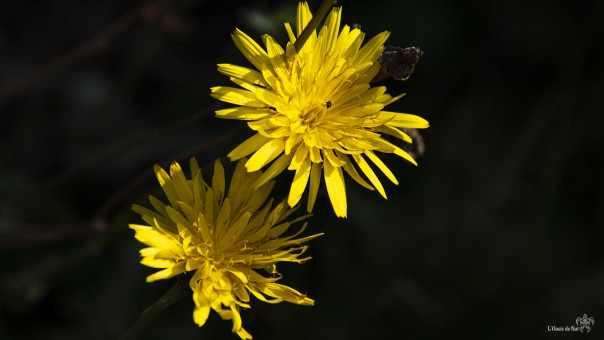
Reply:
x=498, y=233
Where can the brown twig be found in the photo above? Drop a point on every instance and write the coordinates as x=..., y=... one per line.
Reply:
x=99, y=220
x=98, y=223
x=173, y=127
x=35, y=235
x=98, y=43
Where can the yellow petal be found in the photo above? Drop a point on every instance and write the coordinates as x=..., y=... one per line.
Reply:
x=315, y=181
x=350, y=95
x=235, y=229
x=299, y=183
x=243, y=73
x=250, y=145
x=290, y=32
x=332, y=158
x=265, y=154
x=250, y=87
x=292, y=141
x=367, y=76
x=236, y=318
x=153, y=238
x=392, y=100
x=370, y=174
x=236, y=96
x=218, y=179
x=385, y=146
x=372, y=49
x=329, y=32
x=209, y=208
x=334, y=180
x=299, y=156
x=270, y=98
x=177, y=217
x=345, y=40
x=275, y=169
x=287, y=293
x=243, y=113
x=200, y=315
x=275, y=52
x=237, y=179
x=144, y=212
x=405, y=120
x=167, y=273
x=377, y=161
x=259, y=196
x=402, y=153
x=394, y=132
x=224, y=214
x=243, y=334
x=303, y=17
x=194, y=167
x=250, y=49
x=353, y=49
x=181, y=186
x=349, y=168
x=166, y=183
x=204, y=228
x=315, y=155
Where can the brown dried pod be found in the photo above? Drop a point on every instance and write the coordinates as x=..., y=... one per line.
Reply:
x=398, y=62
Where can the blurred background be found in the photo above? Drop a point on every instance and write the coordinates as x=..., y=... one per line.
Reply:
x=498, y=233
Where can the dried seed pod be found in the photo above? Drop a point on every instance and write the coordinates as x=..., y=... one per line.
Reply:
x=398, y=62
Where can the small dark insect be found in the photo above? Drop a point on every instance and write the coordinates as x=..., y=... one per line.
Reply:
x=328, y=104
x=398, y=62
x=357, y=26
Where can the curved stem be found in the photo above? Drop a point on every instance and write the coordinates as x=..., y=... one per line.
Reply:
x=314, y=22
x=175, y=294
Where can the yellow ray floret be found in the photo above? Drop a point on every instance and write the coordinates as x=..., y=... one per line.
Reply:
x=314, y=110
x=227, y=237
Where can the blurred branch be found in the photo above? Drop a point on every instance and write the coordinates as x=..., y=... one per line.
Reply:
x=175, y=294
x=27, y=235
x=98, y=43
x=99, y=220
x=171, y=128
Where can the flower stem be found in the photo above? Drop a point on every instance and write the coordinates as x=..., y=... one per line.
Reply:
x=314, y=22
x=175, y=294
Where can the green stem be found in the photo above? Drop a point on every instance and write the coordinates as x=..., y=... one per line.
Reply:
x=175, y=294
x=314, y=23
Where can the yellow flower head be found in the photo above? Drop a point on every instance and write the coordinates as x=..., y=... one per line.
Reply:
x=225, y=237
x=315, y=109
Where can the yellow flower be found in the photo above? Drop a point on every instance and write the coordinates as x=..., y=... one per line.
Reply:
x=315, y=109
x=224, y=236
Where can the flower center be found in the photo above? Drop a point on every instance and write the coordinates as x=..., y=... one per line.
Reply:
x=313, y=114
